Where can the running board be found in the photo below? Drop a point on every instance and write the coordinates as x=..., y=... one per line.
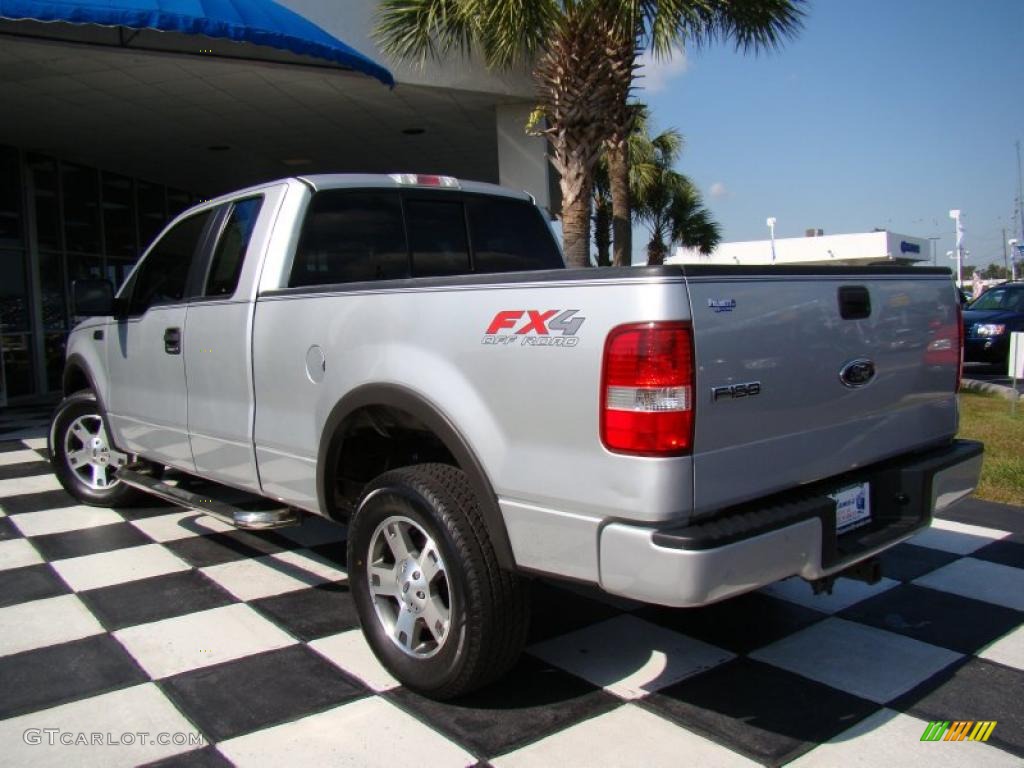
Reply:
x=250, y=520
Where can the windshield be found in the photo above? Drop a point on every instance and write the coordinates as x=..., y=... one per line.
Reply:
x=1000, y=298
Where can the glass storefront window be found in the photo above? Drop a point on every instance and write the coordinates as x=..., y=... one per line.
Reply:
x=81, y=208
x=14, y=306
x=11, y=232
x=152, y=213
x=119, y=216
x=54, y=345
x=44, y=180
x=51, y=278
x=177, y=201
x=19, y=376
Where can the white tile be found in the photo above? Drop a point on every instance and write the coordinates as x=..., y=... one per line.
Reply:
x=17, y=553
x=120, y=717
x=628, y=656
x=180, y=525
x=958, y=538
x=370, y=732
x=276, y=574
x=64, y=519
x=1008, y=650
x=865, y=661
x=891, y=738
x=195, y=640
x=627, y=736
x=117, y=567
x=350, y=651
x=982, y=580
x=35, y=443
x=45, y=622
x=19, y=486
x=845, y=592
x=305, y=561
x=18, y=457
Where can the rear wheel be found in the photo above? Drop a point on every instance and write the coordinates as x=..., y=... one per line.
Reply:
x=82, y=455
x=435, y=607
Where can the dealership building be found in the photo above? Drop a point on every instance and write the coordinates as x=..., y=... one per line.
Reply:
x=114, y=119
x=816, y=249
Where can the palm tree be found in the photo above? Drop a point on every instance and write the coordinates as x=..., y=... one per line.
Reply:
x=670, y=205
x=664, y=26
x=565, y=43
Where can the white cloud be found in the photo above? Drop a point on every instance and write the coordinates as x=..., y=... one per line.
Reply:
x=656, y=73
x=718, y=190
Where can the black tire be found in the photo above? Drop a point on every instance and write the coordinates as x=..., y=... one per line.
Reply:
x=72, y=408
x=489, y=607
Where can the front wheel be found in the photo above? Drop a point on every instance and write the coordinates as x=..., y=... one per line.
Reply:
x=435, y=607
x=80, y=452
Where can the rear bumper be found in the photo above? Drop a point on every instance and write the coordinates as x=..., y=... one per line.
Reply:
x=788, y=535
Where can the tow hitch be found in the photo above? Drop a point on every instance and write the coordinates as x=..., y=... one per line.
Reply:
x=869, y=571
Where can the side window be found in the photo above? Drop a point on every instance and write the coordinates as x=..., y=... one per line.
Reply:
x=349, y=236
x=510, y=236
x=437, y=237
x=229, y=254
x=162, y=275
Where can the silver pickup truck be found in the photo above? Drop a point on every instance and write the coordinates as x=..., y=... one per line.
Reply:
x=408, y=355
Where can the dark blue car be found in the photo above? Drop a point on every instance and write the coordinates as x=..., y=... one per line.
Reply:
x=988, y=322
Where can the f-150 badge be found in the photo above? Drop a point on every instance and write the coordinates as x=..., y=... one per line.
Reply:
x=534, y=328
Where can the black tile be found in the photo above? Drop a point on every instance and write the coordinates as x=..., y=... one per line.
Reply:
x=153, y=599
x=42, y=453
x=154, y=508
x=933, y=616
x=8, y=529
x=33, y=582
x=335, y=553
x=217, y=548
x=555, y=611
x=207, y=757
x=237, y=697
x=907, y=562
x=740, y=625
x=36, y=502
x=89, y=541
x=766, y=713
x=976, y=690
x=61, y=673
x=989, y=514
x=533, y=701
x=309, y=614
x=6, y=446
x=1008, y=551
x=25, y=469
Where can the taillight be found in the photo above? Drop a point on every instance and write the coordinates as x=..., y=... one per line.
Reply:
x=960, y=340
x=647, y=389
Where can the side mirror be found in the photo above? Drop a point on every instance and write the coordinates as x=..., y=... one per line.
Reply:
x=92, y=297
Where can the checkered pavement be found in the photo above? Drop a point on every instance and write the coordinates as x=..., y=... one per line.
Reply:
x=163, y=621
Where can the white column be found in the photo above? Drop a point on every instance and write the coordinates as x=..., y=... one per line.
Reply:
x=522, y=159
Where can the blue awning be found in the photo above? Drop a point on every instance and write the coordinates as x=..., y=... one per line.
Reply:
x=259, y=22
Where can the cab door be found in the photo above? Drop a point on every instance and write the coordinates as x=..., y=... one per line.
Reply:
x=147, y=405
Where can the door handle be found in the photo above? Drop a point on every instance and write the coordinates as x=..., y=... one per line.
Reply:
x=172, y=341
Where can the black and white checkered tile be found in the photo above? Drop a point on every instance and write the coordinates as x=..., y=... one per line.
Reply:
x=161, y=621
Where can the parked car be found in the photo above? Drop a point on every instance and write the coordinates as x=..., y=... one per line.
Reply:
x=988, y=322
x=409, y=355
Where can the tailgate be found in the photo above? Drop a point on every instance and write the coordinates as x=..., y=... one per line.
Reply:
x=789, y=391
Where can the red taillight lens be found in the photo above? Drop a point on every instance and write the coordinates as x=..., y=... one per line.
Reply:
x=647, y=389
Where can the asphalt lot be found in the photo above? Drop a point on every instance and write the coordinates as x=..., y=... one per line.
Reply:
x=242, y=648
x=992, y=375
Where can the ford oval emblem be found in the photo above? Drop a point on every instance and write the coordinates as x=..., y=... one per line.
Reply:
x=857, y=373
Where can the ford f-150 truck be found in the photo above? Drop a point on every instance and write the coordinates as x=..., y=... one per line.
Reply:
x=409, y=356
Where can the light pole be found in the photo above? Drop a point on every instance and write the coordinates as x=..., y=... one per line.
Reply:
x=770, y=221
x=955, y=216
x=1012, y=242
x=934, y=238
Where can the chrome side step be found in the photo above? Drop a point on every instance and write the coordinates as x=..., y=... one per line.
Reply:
x=250, y=520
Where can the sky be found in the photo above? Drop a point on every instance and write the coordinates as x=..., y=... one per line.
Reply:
x=881, y=113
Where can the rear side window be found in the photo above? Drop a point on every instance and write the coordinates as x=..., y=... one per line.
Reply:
x=510, y=236
x=162, y=275
x=229, y=254
x=437, y=237
x=350, y=236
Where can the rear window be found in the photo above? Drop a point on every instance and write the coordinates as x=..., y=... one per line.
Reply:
x=358, y=235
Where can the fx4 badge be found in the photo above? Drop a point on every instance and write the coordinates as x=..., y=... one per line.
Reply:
x=735, y=391
x=534, y=328
x=722, y=305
